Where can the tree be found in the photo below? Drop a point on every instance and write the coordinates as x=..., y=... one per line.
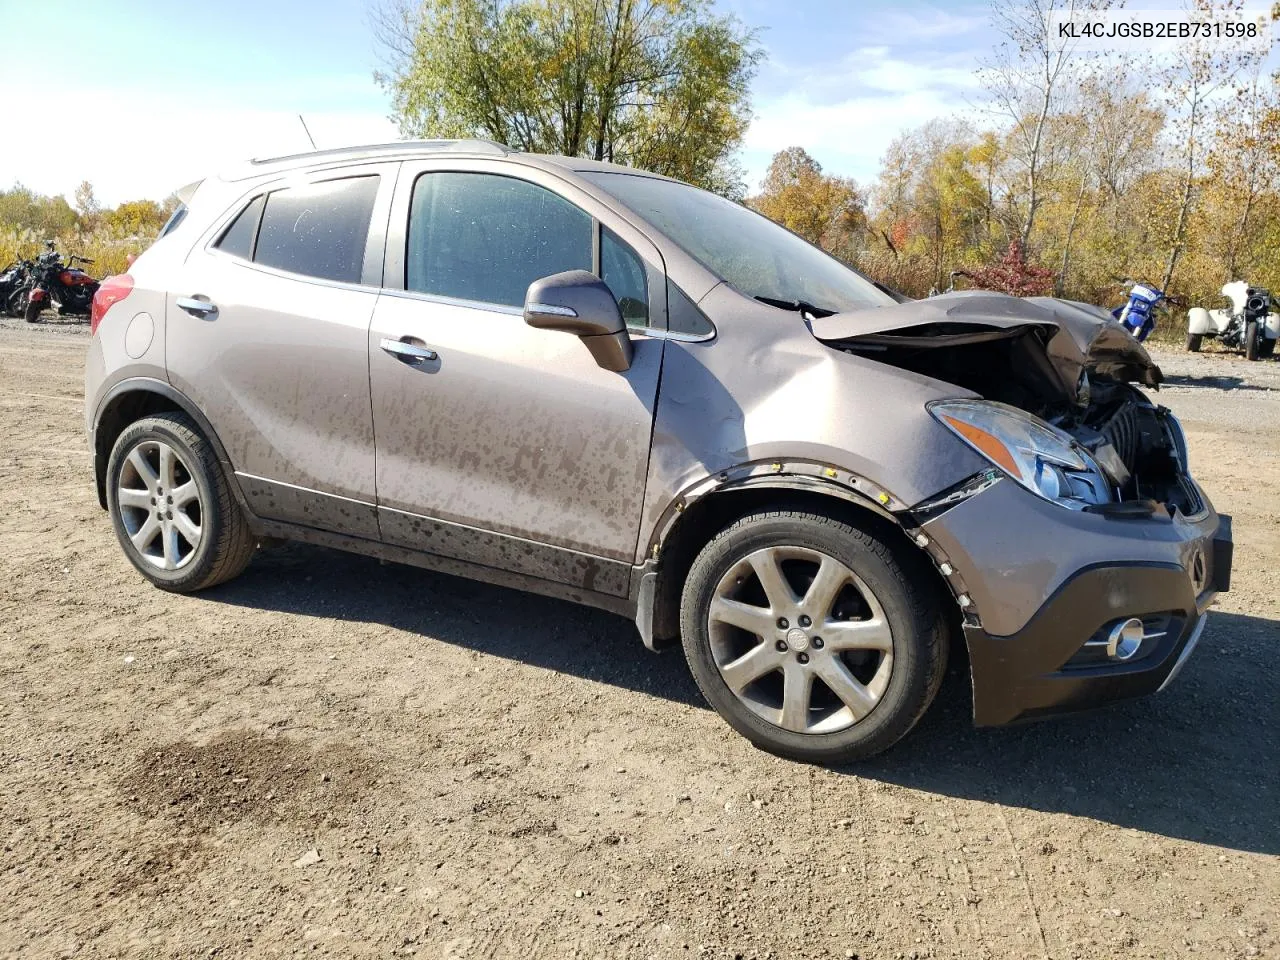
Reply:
x=87, y=205
x=824, y=209
x=1244, y=162
x=1033, y=68
x=23, y=209
x=1198, y=74
x=1012, y=274
x=931, y=203
x=1115, y=132
x=985, y=156
x=137, y=218
x=657, y=84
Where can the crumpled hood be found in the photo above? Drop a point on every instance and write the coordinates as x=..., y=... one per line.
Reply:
x=1076, y=336
x=1105, y=348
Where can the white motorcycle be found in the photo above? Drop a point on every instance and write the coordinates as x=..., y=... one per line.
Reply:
x=1249, y=324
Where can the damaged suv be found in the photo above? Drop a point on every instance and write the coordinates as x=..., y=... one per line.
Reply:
x=611, y=387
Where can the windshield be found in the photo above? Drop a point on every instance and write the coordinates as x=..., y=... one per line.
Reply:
x=751, y=252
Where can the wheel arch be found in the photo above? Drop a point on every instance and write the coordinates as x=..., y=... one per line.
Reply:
x=694, y=519
x=129, y=401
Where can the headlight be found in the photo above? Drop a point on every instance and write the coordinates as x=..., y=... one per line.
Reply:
x=1042, y=458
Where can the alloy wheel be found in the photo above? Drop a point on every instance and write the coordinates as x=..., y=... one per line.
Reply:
x=160, y=505
x=800, y=639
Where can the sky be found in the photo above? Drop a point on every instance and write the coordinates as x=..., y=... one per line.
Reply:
x=163, y=93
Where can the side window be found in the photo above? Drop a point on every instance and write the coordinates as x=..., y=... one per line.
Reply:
x=623, y=271
x=319, y=230
x=683, y=315
x=175, y=219
x=238, y=238
x=485, y=237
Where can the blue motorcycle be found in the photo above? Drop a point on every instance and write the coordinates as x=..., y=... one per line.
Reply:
x=1138, y=314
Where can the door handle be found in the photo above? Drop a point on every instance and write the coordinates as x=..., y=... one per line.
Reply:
x=196, y=306
x=409, y=353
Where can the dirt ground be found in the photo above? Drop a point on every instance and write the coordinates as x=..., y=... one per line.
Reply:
x=335, y=757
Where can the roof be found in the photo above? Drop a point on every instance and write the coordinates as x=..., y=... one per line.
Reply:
x=404, y=149
x=374, y=151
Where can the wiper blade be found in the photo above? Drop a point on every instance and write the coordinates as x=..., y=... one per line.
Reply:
x=800, y=306
x=896, y=294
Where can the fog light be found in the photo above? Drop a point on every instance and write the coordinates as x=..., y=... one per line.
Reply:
x=1121, y=641
x=1125, y=639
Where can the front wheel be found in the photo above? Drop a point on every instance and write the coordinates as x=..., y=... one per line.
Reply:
x=812, y=638
x=1252, y=334
x=31, y=313
x=1193, y=341
x=172, y=507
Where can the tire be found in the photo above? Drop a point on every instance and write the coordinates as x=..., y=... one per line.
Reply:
x=893, y=577
x=1193, y=341
x=1266, y=348
x=1251, y=337
x=224, y=544
x=31, y=312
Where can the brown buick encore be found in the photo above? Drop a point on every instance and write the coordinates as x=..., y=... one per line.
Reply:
x=591, y=382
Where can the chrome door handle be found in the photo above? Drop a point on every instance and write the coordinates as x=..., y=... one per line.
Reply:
x=196, y=307
x=408, y=352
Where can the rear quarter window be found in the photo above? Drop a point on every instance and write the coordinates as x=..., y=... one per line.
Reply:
x=175, y=219
x=237, y=239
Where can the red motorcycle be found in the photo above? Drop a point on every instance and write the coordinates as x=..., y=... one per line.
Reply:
x=61, y=284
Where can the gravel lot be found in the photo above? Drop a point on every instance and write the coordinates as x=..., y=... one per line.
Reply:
x=335, y=757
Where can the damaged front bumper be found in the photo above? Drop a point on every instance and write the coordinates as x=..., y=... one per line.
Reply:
x=1070, y=609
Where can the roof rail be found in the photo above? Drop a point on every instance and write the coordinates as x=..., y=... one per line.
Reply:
x=398, y=146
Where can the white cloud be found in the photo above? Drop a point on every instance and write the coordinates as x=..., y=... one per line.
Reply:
x=922, y=25
x=846, y=115
x=146, y=146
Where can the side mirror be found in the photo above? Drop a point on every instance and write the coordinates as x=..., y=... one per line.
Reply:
x=580, y=303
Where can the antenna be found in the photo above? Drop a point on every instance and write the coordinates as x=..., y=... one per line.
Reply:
x=307, y=132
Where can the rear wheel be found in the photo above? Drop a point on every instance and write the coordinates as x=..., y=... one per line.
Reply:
x=15, y=303
x=1266, y=347
x=1252, y=334
x=172, y=507
x=1193, y=341
x=812, y=638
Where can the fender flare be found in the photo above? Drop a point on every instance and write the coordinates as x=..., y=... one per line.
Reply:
x=180, y=400
x=807, y=475
x=781, y=476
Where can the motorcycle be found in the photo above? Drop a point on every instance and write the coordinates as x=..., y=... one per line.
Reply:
x=1138, y=313
x=14, y=280
x=1249, y=324
x=60, y=283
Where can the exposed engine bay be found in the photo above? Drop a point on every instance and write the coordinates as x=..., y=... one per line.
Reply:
x=1069, y=364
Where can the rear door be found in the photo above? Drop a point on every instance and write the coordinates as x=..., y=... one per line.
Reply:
x=511, y=448
x=268, y=325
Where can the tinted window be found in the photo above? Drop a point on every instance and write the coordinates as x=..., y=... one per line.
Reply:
x=318, y=230
x=758, y=257
x=478, y=236
x=683, y=315
x=623, y=271
x=238, y=238
x=179, y=214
